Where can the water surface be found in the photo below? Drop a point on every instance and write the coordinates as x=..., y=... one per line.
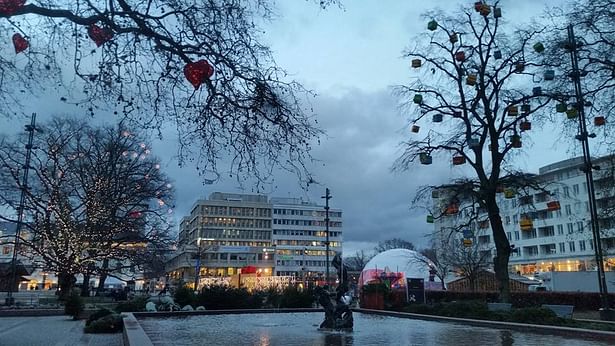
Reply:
x=290, y=329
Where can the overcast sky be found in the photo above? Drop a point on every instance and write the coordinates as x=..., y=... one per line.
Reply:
x=351, y=58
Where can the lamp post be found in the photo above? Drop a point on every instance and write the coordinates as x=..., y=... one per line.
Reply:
x=20, y=210
x=327, y=197
x=572, y=45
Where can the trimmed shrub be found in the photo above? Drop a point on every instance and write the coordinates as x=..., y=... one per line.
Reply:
x=225, y=297
x=74, y=304
x=136, y=304
x=580, y=300
x=292, y=297
x=112, y=323
x=97, y=314
x=534, y=316
x=184, y=296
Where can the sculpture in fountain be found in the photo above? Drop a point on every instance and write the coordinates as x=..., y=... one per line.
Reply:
x=338, y=315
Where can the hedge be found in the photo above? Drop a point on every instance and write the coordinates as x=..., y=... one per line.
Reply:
x=580, y=300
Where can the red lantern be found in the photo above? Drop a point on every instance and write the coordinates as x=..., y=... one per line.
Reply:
x=553, y=205
x=99, y=35
x=458, y=160
x=525, y=126
x=197, y=72
x=9, y=7
x=134, y=214
x=460, y=56
x=599, y=121
x=478, y=5
x=20, y=43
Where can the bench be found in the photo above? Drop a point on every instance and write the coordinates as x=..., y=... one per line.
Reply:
x=564, y=311
x=499, y=306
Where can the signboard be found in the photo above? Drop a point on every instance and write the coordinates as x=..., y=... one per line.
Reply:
x=415, y=288
x=235, y=249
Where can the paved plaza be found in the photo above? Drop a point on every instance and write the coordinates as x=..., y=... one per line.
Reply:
x=51, y=331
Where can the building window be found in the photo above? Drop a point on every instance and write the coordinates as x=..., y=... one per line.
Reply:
x=562, y=247
x=575, y=189
x=516, y=235
x=570, y=227
x=507, y=220
x=571, y=246
x=560, y=229
x=568, y=210
x=580, y=226
x=581, y=245
x=508, y=236
x=515, y=219
x=566, y=191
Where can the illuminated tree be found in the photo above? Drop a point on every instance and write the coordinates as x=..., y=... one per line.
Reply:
x=198, y=65
x=96, y=203
x=474, y=92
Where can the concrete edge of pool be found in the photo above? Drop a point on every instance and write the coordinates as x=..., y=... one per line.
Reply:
x=133, y=333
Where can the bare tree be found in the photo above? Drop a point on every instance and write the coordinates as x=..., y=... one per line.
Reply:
x=433, y=257
x=358, y=261
x=198, y=65
x=467, y=260
x=395, y=243
x=96, y=203
x=475, y=91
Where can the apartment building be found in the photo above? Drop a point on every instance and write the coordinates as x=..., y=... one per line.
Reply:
x=549, y=228
x=299, y=237
x=229, y=231
x=246, y=233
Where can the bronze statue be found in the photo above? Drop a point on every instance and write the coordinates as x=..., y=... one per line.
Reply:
x=338, y=315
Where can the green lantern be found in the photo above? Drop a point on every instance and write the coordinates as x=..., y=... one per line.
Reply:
x=432, y=25
x=429, y=218
x=539, y=47
x=418, y=98
x=561, y=107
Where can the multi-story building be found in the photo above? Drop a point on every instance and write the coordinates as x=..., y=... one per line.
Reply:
x=238, y=233
x=549, y=226
x=299, y=237
x=229, y=232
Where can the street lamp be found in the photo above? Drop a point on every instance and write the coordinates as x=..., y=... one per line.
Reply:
x=327, y=197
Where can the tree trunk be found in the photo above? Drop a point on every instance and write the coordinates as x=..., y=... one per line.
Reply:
x=502, y=247
x=102, y=278
x=85, y=287
x=66, y=282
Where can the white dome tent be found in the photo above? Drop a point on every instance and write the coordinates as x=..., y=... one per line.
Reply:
x=408, y=263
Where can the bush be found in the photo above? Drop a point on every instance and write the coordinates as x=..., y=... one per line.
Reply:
x=225, y=297
x=74, y=304
x=534, y=316
x=97, y=314
x=136, y=304
x=292, y=297
x=112, y=323
x=184, y=296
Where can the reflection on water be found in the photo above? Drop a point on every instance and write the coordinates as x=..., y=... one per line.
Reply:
x=291, y=329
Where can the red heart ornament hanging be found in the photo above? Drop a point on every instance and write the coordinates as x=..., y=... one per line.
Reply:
x=99, y=35
x=8, y=7
x=197, y=72
x=20, y=43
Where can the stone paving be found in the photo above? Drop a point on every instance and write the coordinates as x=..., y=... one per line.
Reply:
x=51, y=331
